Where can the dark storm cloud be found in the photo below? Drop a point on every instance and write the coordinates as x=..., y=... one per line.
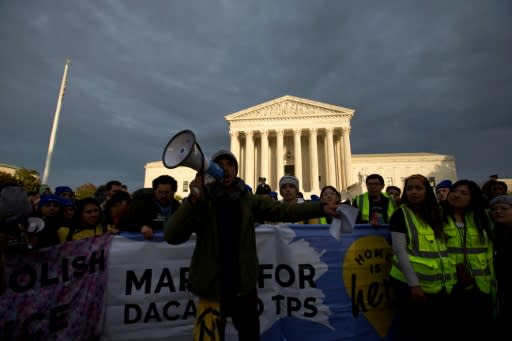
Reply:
x=422, y=77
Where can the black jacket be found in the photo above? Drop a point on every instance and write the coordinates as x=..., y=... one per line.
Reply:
x=146, y=211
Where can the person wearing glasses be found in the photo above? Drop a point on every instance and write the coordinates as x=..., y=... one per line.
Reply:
x=375, y=206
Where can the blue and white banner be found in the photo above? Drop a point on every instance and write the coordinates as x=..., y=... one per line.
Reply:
x=312, y=286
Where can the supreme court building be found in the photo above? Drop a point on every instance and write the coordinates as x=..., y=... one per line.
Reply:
x=311, y=140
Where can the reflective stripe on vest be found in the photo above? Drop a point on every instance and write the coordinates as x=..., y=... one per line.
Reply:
x=428, y=256
x=479, y=251
x=363, y=203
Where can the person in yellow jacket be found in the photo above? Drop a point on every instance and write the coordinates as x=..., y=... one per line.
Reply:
x=375, y=206
x=422, y=274
x=88, y=222
x=468, y=227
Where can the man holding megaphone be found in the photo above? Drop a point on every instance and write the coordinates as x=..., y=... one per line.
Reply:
x=224, y=266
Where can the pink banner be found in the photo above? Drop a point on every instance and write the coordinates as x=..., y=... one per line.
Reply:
x=56, y=293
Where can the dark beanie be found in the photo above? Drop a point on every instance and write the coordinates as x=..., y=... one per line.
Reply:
x=444, y=184
x=47, y=198
x=225, y=154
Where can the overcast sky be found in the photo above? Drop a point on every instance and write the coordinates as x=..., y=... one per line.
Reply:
x=422, y=76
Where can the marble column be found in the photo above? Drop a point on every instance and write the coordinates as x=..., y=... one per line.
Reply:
x=280, y=155
x=249, y=158
x=264, y=171
x=338, y=152
x=298, y=156
x=342, y=163
x=235, y=145
x=347, y=152
x=313, y=160
x=330, y=157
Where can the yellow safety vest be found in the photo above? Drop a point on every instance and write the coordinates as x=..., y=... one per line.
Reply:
x=479, y=251
x=363, y=203
x=64, y=231
x=316, y=221
x=428, y=256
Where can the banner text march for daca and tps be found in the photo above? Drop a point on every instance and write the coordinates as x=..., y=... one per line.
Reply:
x=310, y=285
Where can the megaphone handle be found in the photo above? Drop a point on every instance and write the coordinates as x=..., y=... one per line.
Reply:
x=196, y=186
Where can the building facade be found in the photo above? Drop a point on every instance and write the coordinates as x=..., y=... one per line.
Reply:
x=311, y=140
x=293, y=136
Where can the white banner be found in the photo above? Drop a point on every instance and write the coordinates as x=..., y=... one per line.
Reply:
x=147, y=297
x=311, y=285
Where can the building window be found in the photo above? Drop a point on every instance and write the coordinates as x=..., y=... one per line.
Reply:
x=185, y=186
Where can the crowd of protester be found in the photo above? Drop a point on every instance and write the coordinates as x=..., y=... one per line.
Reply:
x=452, y=241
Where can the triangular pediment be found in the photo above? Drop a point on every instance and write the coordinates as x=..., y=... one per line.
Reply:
x=290, y=106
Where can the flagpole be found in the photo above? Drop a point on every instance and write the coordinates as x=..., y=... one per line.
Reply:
x=55, y=123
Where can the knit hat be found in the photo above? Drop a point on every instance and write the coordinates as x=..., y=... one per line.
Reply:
x=62, y=189
x=501, y=199
x=67, y=202
x=289, y=179
x=444, y=184
x=47, y=198
x=225, y=154
x=273, y=194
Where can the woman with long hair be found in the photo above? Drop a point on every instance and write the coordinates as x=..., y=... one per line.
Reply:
x=87, y=222
x=422, y=272
x=468, y=228
x=328, y=195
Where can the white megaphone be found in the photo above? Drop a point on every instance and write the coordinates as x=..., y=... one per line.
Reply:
x=183, y=150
